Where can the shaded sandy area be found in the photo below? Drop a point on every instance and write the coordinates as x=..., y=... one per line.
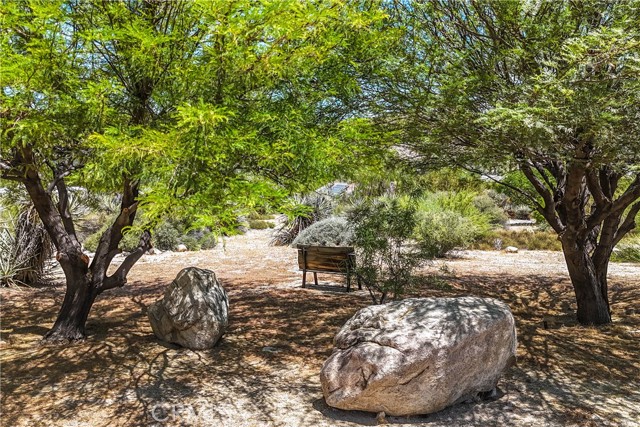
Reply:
x=265, y=370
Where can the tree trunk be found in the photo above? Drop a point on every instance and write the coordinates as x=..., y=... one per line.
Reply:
x=590, y=286
x=78, y=300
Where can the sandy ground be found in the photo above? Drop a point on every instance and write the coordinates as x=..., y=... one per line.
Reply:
x=265, y=370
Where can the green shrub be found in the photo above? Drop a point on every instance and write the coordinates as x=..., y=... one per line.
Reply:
x=461, y=203
x=628, y=250
x=165, y=236
x=257, y=224
x=208, y=240
x=532, y=240
x=191, y=242
x=521, y=212
x=91, y=242
x=386, y=255
x=332, y=231
x=439, y=232
x=489, y=208
x=130, y=240
x=260, y=216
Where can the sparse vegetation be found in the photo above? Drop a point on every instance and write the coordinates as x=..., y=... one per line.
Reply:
x=628, y=250
x=523, y=239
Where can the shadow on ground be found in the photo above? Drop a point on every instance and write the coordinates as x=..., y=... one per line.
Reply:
x=265, y=369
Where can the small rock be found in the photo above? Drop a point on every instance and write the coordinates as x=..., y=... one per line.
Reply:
x=154, y=251
x=269, y=349
x=181, y=248
x=381, y=418
x=511, y=250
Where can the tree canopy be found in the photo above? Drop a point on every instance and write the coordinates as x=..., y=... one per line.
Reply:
x=550, y=88
x=201, y=109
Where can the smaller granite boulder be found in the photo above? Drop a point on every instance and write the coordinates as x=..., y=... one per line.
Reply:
x=194, y=311
x=181, y=248
x=511, y=250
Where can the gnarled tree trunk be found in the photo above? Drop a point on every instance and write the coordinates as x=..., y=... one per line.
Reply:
x=590, y=286
x=78, y=300
x=84, y=281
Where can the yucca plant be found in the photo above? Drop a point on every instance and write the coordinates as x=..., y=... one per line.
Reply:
x=301, y=213
x=25, y=248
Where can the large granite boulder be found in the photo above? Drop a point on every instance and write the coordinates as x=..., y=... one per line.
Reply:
x=418, y=356
x=194, y=311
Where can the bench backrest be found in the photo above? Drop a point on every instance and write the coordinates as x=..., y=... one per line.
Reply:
x=331, y=259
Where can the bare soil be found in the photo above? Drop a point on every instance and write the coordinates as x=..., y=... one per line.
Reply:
x=265, y=370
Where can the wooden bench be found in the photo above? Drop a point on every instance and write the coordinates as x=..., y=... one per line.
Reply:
x=327, y=259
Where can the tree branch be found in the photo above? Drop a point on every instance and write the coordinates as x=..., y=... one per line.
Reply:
x=595, y=188
x=119, y=278
x=549, y=208
x=628, y=224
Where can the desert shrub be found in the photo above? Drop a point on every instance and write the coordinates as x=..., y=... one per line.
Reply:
x=439, y=232
x=191, y=242
x=500, y=199
x=521, y=212
x=332, y=231
x=628, y=250
x=301, y=212
x=489, y=208
x=532, y=240
x=166, y=236
x=91, y=242
x=258, y=224
x=462, y=203
x=208, y=240
x=130, y=240
x=260, y=216
x=386, y=254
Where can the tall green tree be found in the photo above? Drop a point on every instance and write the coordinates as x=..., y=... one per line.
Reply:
x=194, y=107
x=550, y=88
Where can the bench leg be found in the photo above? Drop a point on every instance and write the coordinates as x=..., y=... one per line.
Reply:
x=304, y=278
x=348, y=282
x=315, y=278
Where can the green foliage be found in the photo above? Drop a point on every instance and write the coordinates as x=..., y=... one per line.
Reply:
x=462, y=203
x=444, y=179
x=91, y=242
x=441, y=231
x=332, y=231
x=386, y=254
x=538, y=240
x=490, y=209
x=208, y=240
x=628, y=250
x=165, y=236
x=257, y=224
